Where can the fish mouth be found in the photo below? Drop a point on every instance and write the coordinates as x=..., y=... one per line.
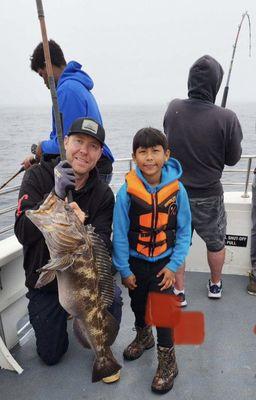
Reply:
x=58, y=221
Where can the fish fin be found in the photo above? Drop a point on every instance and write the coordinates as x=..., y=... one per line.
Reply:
x=103, y=264
x=80, y=333
x=60, y=264
x=45, y=278
x=105, y=366
x=112, y=328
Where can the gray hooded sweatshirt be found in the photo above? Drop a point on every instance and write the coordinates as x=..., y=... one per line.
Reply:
x=202, y=136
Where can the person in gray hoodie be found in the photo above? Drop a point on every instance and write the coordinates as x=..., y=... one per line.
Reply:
x=204, y=138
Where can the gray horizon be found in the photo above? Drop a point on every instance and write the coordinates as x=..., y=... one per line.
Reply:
x=137, y=53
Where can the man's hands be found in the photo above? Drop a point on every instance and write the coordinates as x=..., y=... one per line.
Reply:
x=64, y=179
x=129, y=282
x=33, y=158
x=28, y=161
x=168, y=278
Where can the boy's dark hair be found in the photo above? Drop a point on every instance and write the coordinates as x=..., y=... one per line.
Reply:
x=149, y=137
x=38, y=61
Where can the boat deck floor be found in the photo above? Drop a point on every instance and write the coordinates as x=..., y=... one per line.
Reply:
x=223, y=367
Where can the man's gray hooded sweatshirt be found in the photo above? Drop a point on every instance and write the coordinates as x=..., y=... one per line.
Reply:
x=202, y=136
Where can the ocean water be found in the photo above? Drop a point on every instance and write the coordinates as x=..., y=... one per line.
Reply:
x=22, y=126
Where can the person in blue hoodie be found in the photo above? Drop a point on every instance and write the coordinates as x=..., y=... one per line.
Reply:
x=75, y=100
x=151, y=238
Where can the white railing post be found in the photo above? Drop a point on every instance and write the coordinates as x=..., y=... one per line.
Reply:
x=245, y=195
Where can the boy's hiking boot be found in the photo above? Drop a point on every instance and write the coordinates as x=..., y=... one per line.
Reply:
x=166, y=372
x=214, y=290
x=144, y=340
x=251, y=287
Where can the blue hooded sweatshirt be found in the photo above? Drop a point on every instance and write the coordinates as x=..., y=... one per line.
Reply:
x=121, y=223
x=75, y=100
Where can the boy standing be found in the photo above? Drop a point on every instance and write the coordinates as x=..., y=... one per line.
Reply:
x=151, y=238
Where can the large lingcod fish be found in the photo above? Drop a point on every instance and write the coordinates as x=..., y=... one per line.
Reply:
x=81, y=262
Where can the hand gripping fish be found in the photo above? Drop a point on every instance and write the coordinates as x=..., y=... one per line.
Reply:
x=81, y=262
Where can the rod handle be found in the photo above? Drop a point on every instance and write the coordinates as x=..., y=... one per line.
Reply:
x=224, y=98
x=69, y=196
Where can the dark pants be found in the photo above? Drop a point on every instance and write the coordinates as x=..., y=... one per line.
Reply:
x=49, y=321
x=147, y=281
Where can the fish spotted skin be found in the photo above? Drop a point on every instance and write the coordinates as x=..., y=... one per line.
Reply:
x=82, y=265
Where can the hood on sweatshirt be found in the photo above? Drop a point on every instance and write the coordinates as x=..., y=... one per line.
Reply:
x=73, y=71
x=170, y=172
x=204, y=80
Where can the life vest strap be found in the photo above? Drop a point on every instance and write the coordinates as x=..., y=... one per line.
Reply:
x=152, y=245
x=149, y=231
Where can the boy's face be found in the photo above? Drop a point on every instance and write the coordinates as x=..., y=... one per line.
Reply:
x=150, y=161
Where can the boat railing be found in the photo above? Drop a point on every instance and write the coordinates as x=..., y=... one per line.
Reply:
x=124, y=165
x=14, y=323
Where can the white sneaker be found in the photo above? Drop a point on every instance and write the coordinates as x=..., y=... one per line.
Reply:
x=214, y=290
x=180, y=295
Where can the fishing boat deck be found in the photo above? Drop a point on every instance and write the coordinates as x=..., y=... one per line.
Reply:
x=224, y=366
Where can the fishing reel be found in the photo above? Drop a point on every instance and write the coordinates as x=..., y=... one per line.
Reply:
x=33, y=151
x=33, y=148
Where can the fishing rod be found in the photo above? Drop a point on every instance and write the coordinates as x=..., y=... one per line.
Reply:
x=14, y=176
x=226, y=89
x=33, y=151
x=51, y=80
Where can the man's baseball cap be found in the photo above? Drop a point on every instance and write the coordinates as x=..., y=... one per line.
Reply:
x=88, y=126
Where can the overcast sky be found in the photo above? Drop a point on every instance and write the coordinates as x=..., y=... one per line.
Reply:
x=136, y=51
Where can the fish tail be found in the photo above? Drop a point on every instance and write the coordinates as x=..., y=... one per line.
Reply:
x=104, y=367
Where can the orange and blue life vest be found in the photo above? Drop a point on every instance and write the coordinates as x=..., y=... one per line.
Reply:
x=153, y=216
